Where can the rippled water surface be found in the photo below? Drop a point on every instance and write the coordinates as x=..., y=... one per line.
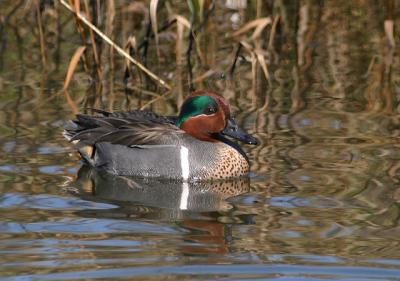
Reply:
x=323, y=199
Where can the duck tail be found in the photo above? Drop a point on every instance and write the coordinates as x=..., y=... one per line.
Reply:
x=70, y=129
x=85, y=150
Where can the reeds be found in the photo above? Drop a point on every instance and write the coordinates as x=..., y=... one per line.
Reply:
x=92, y=28
x=188, y=32
x=160, y=51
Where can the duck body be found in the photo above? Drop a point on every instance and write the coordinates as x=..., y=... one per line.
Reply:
x=189, y=147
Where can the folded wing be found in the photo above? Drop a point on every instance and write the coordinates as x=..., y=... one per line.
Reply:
x=125, y=128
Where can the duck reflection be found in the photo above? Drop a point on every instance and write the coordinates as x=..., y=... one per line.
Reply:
x=168, y=195
x=197, y=206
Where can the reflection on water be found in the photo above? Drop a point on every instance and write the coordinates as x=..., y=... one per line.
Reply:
x=323, y=200
x=171, y=198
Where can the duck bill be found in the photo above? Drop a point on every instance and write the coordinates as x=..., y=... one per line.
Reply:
x=232, y=130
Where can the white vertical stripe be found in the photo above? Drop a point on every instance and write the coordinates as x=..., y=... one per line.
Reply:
x=185, y=163
x=185, y=177
x=184, y=196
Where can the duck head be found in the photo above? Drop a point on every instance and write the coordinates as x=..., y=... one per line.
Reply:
x=207, y=115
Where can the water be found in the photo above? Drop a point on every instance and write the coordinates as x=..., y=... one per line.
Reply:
x=323, y=199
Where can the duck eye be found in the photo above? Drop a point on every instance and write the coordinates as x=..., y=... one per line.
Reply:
x=210, y=110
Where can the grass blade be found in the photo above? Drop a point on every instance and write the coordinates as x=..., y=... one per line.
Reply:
x=72, y=65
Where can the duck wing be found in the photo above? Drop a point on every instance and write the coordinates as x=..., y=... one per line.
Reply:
x=146, y=115
x=131, y=128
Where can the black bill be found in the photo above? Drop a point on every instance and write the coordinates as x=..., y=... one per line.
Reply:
x=232, y=130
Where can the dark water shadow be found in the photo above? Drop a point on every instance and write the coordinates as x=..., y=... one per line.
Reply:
x=152, y=198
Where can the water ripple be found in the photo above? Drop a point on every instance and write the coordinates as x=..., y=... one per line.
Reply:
x=49, y=202
x=87, y=226
x=242, y=271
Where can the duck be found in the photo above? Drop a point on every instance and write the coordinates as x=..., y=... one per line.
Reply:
x=197, y=145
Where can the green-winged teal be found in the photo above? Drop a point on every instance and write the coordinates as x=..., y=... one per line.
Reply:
x=192, y=146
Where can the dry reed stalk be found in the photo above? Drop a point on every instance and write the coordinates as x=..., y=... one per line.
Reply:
x=116, y=47
x=272, y=34
x=389, y=27
x=149, y=93
x=154, y=24
x=189, y=61
x=200, y=11
x=156, y=99
x=93, y=97
x=263, y=64
x=181, y=24
x=93, y=43
x=12, y=11
x=41, y=34
x=258, y=25
x=108, y=55
x=72, y=65
x=253, y=57
x=130, y=48
x=110, y=29
x=255, y=51
x=77, y=6
x=71, y=102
